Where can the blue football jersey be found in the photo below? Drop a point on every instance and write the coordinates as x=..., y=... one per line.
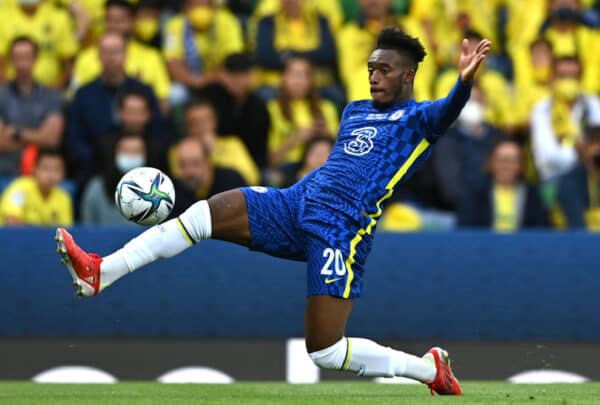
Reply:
x=377, y=149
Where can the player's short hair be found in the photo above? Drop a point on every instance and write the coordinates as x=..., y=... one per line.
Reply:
x=24, y=39
x=396, y=39
x=124, y=4
x=48, y=152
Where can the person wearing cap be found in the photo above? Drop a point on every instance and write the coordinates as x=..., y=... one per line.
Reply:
x=52, y=30
x=241, y=112
x=579, y=188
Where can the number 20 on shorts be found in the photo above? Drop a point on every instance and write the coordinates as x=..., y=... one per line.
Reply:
x=333, y=257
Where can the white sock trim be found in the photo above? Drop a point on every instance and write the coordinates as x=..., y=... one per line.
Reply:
x=332, y=357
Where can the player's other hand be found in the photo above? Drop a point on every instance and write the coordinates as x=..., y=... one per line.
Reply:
x=470, y=59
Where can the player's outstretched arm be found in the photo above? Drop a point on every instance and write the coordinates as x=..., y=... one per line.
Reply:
x=440, y=114
x=469, y=62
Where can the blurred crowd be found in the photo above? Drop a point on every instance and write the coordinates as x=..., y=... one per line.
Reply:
x=221, y=94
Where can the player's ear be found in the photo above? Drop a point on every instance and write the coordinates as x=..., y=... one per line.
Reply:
x=409, y=76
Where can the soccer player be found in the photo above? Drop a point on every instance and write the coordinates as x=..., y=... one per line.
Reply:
x=327, y=219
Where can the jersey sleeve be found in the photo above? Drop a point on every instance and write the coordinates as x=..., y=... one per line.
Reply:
x=437, y=116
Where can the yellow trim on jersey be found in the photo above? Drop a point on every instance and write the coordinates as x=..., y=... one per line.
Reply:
x=185, y=233
x=348, y=355
x=421, y=147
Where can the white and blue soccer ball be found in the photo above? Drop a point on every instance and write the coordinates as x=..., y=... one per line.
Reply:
x=145, y=195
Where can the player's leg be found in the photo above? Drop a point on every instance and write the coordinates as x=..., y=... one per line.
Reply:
x=333, y=281
x=224, y=216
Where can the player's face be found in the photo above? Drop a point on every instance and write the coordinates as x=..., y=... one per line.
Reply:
x=49, y=171
x=390, y=77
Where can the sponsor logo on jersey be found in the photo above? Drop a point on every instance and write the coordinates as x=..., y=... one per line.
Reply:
x=396, y=115
x=259, y=189
x=363, y=143
x=376, y=116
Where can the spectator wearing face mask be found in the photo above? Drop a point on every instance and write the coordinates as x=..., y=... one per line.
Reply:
x=566, y=28
x=197, y=176
x=505, y=202
x=197, y=42
x=38, y=199
x=98, y=201
x=579, y=188
x=146, y=28
x=557, y=121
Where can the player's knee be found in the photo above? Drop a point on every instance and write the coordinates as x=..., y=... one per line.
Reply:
x=197, y=221
x=332, y=357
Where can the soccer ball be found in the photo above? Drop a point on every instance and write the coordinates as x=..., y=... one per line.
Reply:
x=145, y=195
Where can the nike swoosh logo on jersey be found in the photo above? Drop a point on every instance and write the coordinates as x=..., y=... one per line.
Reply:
x=332, y=280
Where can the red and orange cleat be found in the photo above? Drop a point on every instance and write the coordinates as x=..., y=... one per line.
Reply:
x=84, y=267
x=444, y=383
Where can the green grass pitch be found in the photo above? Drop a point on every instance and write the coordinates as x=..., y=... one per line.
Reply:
x=16, y=393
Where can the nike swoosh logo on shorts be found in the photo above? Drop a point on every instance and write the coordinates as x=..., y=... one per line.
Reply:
x=332, y=280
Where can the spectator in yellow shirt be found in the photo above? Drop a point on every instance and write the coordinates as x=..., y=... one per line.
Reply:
x=299, y=29
x=142, y=62
x=51, y=28
x=533, y=76
x=197, y=42
x=565, y=30
x=38, y=200
x=147, y=23
x=298, y=114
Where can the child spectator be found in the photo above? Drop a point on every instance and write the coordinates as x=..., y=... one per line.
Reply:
x=38, y=199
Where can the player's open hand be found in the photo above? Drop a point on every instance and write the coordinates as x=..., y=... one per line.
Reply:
x=470, y=60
